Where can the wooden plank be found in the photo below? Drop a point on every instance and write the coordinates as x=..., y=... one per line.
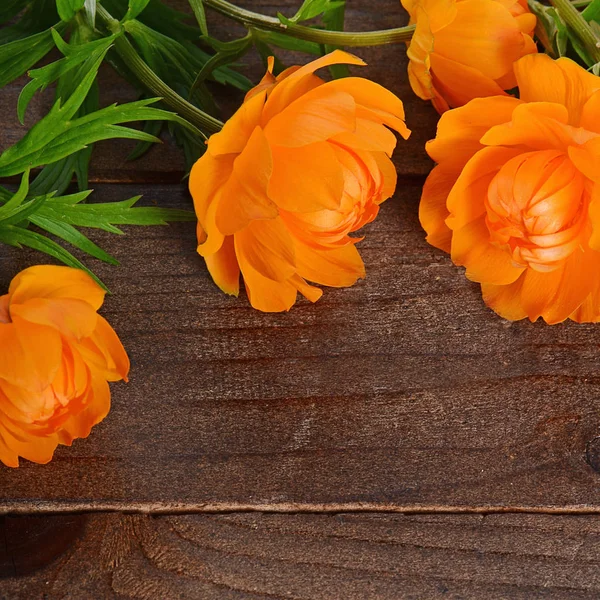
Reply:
x=164, y=163
x=308, y=557
x=401, y=393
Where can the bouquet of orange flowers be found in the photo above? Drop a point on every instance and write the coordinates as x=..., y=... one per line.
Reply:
x=281, y=189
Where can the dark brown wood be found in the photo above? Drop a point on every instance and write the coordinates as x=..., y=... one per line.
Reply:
x=403, y=392
x=313, y=557
x=164, y=163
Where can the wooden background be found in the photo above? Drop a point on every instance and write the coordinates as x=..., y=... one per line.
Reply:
x=395, y=440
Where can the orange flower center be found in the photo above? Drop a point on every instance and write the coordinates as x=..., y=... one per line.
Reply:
x=536, y=207
x=4, y=312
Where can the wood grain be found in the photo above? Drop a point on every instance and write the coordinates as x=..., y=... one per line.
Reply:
x=401, y=393
x=307, y=557
x=164, y=163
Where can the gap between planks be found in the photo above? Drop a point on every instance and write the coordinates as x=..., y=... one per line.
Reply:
x=41, y=508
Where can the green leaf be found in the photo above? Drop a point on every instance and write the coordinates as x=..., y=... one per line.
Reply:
x=198, y=8
x=61, y=215
x=41, y=78
x=90, y=105
x=333, y=19
x=313, y=8
x=160, y=17
x=16, y=209
x=550, y=29
x=176, y=61
x=58, y=135
x=68, y=209
x=135, y=8
x=17, y=199
x=73, y=236
x=287, y=42
x=18, y=56
x=67, y=9
x=227, y=53
x=153, y=128
x=55, y=177
x=89, y=9
x=193, y=147
x=22, y=213
x=592, y=11
x=19, y=237
x=265, y=52
x=332, y=12
x=42, y=134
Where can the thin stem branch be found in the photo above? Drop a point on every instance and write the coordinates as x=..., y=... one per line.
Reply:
x=572, y=17
x=321, y=36
x=150, y=80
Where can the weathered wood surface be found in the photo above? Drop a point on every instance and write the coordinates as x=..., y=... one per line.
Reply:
x=316, y=557
x=401, y=393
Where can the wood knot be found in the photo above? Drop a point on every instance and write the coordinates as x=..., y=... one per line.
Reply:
x=32, y=542
x=592, y=454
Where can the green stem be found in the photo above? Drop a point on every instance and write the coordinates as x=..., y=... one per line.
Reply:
x=572, y=17
x=581, y=3
x=150, y=80
x=321, y=36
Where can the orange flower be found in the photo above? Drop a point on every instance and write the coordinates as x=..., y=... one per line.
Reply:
x=515, y=197
x=56, y=356
x=465, y=49
x=300, y=166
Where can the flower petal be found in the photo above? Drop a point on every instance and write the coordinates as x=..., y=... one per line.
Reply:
x=7, y=456
x=98, y=406
x=484, y=261
x=266, y=246
x=561, y=81
x=307, y=178
x=466, y=201
x=459, y=83
x=553, y=295
x=566, y=288
x=30, y=354
x=244, y=197
x=49, y=281
x=37, y=449
x=337, y=267
x=376, y=102
x=537, y=125
x=484, y=36
x=310, y=292
x=224, y=268
x=265, y=294
x=207, y=176
x=68, y=316
x=590, y=112
x=368, y=135
x=459, y=131
x=337, y=57
x=432, y=208
x=314, y=117
x=594, y=212
x=236, y=133
x=286, y=92
x=505, y=300
x=104, y=351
